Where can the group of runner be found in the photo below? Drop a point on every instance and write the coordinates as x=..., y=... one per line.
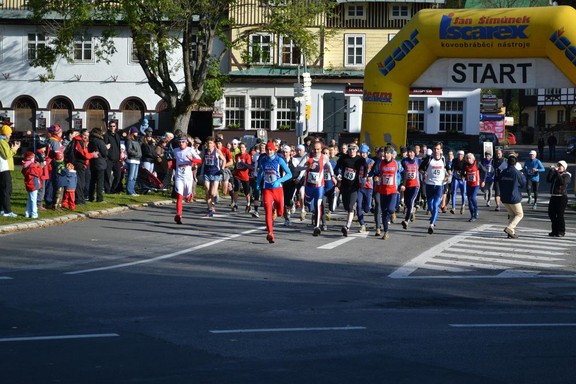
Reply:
x=318, y=179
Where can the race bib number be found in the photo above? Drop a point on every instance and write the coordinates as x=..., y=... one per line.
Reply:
x=181, y=171
x=471, y=177
x=411, y=175
x=313, y=177
x=386, y=180
x=270, y=177
x=350, y=174
x=327, y=176
x=209, y=161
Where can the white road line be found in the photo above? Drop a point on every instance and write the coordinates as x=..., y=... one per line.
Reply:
x=521, y=243
x=343, y=240
x=270, y=330
x=503, y=261
x=445, y=268
x=508, y=255
x=168, y=256
x=508, y=249
x=520, y=325
x=58, y=337
x=5, y=278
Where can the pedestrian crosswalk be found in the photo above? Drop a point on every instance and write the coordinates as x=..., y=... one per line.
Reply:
x=486, y=252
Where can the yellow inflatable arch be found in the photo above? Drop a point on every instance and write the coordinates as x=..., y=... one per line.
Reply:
x=503, y=33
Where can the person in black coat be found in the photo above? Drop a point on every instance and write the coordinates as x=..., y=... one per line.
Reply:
x=512, y=181
x=98, y=164
x=113, y=175
x=559, y=179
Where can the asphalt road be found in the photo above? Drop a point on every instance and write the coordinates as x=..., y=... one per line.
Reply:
x=135, y=298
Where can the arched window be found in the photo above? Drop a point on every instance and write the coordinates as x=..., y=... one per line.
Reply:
x=25, y=110
x=61, y=112
x=96, y=114
x=133, y=113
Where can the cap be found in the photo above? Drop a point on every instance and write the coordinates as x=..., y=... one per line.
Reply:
x=29, y=156
x=218, y=140
x=460, y=152
x=352, y=147
x=169, y=135
x=134, y=130
x=235, y=142
x=6, y=130
x=148, y=130
x=428, y=152
x=145, y=122
x=301, y=147
x=197, y=140
x=54, y=128
x=563, y=163
x=270, y=146
x=532, y=152
x=277, y=141
x=287, y=148
x=364, y=148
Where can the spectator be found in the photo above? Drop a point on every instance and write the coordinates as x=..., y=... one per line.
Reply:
x=134, y=152
x=148, y=145
x=81, y=159
x=59, y=179
x=552, y=141
x=161, y=163
x=98, y=165
x=54, y=147
x=541, y=145
x=69, y=201
x=7, y=152
x=512, y=181
x=32, y=171
x=113, y=175
x=43, y=158
x=559, y=180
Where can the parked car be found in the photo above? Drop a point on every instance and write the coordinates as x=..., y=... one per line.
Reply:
x=571, y=147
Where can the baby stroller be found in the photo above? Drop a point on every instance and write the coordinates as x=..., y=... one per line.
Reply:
x=147, y=181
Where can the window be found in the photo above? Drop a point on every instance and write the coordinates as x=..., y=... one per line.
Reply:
x=354, y=11
x=36, y=42
x=133, y=50
x=560, y=116
x=354, y=50
x=261, y=49
x=399, y=11
x=83, y=49
x=235, y=111
x=452, y=116
x=285, y=113
x=553, y=91
x=531, y=92
x=260, y=112
x=290, y=54
x=415, y=116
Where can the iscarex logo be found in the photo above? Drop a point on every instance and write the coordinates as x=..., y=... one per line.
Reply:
x=399, y=53
x=563, y=43
x=500, y=28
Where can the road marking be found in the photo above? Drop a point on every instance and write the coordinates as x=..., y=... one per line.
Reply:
x=58, y=337
x=343, y=240
x=485, y=249
x=5, y=278
x=168, y=256
x=520, y=325
x=269, y=330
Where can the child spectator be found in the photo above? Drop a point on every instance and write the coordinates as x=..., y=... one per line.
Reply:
x=59, y=179
x=32, y=171
x=70, y=188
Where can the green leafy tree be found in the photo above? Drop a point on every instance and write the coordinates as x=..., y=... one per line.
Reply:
x=164, y=29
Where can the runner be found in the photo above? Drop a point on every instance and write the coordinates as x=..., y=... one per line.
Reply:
x=213, y=160
x=447, y=193
x=458, y=181
x=259, y=152
x=315, y=182
x=497, y=163
x=473, y=184
x=410, y=185
x=387, y=186
x=532, y=169
x=241, y=174
x=289, y=186
x=329, y=190
x=348, y=168
x=184, y=158
x=488, y=164
x=435, y=173
x=364, y=202
x=272, y=192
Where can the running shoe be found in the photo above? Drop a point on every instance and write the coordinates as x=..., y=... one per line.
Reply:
x=413, y=216
x=386, y=236
x=431, y=229
x=234, y=208
x=488, y=203
x=362, y=229
x=210, y=213
x=270, y=238
x=378, y=232
x=317, y=231
x=303, y=215
x=324, y=227
x=10, y=214
x=247, y=209
x=286, y=223
x=393, y=218
x=443, y=209
x=217, y=199
x=178, y=219
x=345, y=231
x=452, y=211
x=511, y=234
x=462, y=210
x=529, y=200
x=404, y=224
x=534, y=206
x=328, y=216
x=472, y=219
x=293, y=209
x=255, y=214
x=497, y=209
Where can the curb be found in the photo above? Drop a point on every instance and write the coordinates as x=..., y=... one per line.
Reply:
x=44, y=223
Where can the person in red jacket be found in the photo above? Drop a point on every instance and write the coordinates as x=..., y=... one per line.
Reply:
x=82, y=158
x=242, y=177
x=386, y=184
x=32, y=171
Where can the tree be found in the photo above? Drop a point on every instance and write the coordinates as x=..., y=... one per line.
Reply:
x=164, y=29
